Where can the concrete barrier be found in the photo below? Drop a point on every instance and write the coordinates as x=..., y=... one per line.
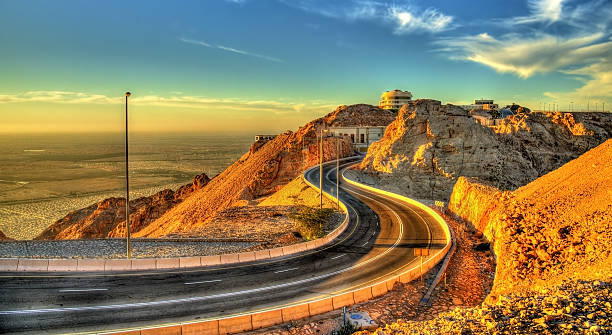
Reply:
x=190, y=262
x=170, y=330
x=342, y=300
x=201, y=328
x=9, y=264
x=362, y=295
x=210, y=260
x=262, y=254
x=167, y=263
x=295, y=312
x=127, y=332
x=276, y=252
x=266, y=319
x=229, y=258
x=379, y=289
x=235, y=325
x=391, y=282
x=144, y=264
x=320, y=307
x=246, y=257
x=62, y=265
x=117, y=264
x=90, y=264
x=33, y=265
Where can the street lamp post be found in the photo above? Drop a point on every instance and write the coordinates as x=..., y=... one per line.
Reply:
x=321, y=167
x=338, y=172
x=127, y=181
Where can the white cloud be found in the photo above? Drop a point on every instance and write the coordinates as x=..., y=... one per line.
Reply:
x=430, y=20
x=543, y=11
x=230, y=49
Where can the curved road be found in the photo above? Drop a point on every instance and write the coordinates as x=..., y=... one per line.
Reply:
x=378, y=243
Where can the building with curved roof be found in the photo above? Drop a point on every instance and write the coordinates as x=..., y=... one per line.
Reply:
x=394, y=100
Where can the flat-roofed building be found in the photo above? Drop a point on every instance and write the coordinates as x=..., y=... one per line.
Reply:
x=264, y=137
x=362, y=136
x=394, y=100
x=486, y=104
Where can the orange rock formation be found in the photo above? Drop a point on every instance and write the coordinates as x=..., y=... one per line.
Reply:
x=555, y=228
x=429, y=146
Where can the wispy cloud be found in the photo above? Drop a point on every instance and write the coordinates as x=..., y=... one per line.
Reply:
x=548, y=11
x=525, y=57
x=181, y=101
x=229, y=49
x=430, y=20
x=403, y=18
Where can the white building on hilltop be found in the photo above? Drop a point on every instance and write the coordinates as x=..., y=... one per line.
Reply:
x=394, y=100
x=486, y=104
x=362, y=136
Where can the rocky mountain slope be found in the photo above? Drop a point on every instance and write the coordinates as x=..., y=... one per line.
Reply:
x=107, y=217
x=429, y=146
x=556, y=228
x=265, y=169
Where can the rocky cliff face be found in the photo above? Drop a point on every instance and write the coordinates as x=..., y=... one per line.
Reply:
x=553, y=229
x=107, y=217
x=429, y=146
x=265, y=169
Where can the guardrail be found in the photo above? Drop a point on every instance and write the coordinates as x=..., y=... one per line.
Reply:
x=243, y=322
x=142, y=264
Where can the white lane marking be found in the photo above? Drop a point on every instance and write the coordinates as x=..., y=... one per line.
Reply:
x=82, y=289
x=203, y=282
x=338, y=256
x=366, y=242
x=285, y=270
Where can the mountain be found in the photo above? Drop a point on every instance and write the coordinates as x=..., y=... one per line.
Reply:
x=429, y=146
x=554, y=229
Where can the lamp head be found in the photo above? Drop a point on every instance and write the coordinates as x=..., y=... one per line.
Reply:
x=127, y=94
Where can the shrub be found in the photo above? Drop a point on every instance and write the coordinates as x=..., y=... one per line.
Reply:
x=311, y=221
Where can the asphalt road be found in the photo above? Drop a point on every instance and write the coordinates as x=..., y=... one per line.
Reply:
x=378, y=243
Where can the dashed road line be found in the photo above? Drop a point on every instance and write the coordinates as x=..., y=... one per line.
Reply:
x=68, y=290
x=203, y=282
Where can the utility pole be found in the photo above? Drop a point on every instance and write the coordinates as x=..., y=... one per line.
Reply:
x=127, y=181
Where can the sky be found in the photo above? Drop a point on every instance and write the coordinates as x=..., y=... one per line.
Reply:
x=272, y=65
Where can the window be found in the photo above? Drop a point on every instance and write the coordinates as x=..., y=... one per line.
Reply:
x=353, y=137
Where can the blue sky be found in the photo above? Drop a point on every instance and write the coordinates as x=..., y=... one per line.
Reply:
x=271, y=65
